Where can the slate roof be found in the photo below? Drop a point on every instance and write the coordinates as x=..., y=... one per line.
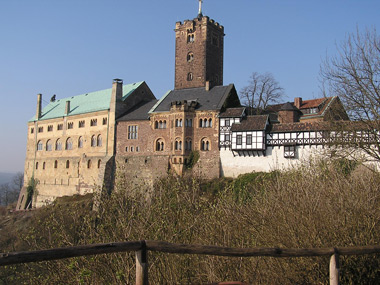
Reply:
x=207, y=100
x=232, y=113
x=84, y=103
x=139, y=112
x=251, y=123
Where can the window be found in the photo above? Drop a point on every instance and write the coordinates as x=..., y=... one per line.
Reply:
x=56, y=164
x=188, y=144
x=89, y=163
x=178, y=145
x=36, y=165
x=50, y=128
x=205, y=145
x=81, y=124
x=40, y=129
x=99, y=163
x=189, y=76
x=210, y=123
x=131, y=148
x=60, y=127
x=69, y=144
x=239, y=139
x=104, y=121
x=67, y=164
x=190, y=57
x=227, y=122
x=43, y=165
x=227, y=137
x=31, y=130
x=126, y=149
x=160, y=145
x=137, y=149
x=93, y=141
x=190, y=38
x=290, y=151
x=178, y=122
x=189, y=123
x=93, y=122
x=132, y=132
x=249, y=139
x=40, y=145
x=80, y=142
x=99, y=140
x=58, y=145
x=49, y=146
x=70, y=125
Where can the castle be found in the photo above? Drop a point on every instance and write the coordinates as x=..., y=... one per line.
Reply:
x=75, y=144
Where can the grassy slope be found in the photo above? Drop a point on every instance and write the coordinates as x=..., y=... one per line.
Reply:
x=317, y=206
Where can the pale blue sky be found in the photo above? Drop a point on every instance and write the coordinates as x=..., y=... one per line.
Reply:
x=76, y=46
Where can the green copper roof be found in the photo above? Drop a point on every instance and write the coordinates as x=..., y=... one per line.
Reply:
x=85, y=103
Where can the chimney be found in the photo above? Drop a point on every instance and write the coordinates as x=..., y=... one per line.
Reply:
x=298, y=102
x=117, y=90
x=38, y=112
x=207, y=86
x=67, y=108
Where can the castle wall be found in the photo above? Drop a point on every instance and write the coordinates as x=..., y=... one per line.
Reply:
x=233, y=166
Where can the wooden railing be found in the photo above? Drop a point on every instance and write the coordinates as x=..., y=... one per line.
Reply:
x=142, y=247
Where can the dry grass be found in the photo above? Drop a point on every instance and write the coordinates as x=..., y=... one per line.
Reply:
x=318, y=205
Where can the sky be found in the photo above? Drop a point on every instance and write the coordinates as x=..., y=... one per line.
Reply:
x=73, y=47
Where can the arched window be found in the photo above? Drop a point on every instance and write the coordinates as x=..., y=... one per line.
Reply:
x=99, y=163
x=156, y=124
x=67, y=164
x=43, y=165
x=200, y=123
x=56, y=164
x=189, y=76
x=205, y=144
x=165, y=124
x=210, y=123
x=99, y=140
x=176, y=145
x=80, y=142
x=36, y=165
x=176, y=123
x=188, y=144
x=93, y=141
x=159, y=145
x=190, y=57
x=58, y=145
x=39, y=145
x=205, y=123
x=69, y=144
x=49, y=146
x=180, y=122
x=89, y=163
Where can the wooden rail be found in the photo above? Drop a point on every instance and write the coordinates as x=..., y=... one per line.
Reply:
x=142, y=247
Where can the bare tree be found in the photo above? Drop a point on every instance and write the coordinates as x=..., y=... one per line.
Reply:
x=18, y=181
x=354, y=75
x=262, y=91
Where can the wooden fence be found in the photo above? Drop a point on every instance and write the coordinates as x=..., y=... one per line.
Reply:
x=141, y=249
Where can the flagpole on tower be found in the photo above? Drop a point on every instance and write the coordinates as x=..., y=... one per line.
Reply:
x=200, y=9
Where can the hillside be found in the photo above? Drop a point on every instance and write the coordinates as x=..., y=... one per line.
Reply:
x=325, y=205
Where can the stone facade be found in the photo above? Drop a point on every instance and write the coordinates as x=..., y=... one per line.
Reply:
x=198, y=53
x=70, y=152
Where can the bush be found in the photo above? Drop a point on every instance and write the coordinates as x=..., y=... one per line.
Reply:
x=293, y=209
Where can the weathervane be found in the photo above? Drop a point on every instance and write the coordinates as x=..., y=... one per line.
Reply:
x=200, y=8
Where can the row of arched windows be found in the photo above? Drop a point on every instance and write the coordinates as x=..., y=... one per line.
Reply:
x=67, y=164
x=96, y=140
x=205, y=123
x=188, y=123
x=160, y=124
x=205, y=144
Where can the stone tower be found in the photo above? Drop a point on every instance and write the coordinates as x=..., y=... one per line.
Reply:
x=198, y=53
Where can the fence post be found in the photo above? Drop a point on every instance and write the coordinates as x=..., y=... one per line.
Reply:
x=142, y=265
x=334, y=269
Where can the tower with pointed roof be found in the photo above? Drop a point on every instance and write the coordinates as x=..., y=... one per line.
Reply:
x=198, y=52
